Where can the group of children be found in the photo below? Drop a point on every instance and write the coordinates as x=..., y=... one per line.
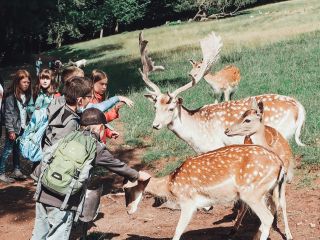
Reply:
x=78, y=102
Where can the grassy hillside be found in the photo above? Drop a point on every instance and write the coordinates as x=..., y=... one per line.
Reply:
x=276, y=47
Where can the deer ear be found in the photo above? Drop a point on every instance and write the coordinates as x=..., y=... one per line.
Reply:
x=150, y=97
x=260, y=106
x=254, y=104
x=179, y=101
x=191, y=61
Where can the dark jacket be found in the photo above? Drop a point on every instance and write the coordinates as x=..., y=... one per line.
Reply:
x=12, y=114
x=61, y=121
x=103, y=158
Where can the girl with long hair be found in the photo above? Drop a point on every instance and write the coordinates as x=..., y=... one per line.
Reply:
x=16, y=116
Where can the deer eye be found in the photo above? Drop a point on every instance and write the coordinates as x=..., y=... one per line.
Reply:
x=171, y=109
x=247, y=120
x=198, y=66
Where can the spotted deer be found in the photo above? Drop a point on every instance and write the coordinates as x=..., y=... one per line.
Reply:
x=251, y=126
x=203, y=128
x=224, y=82
x=250, y=173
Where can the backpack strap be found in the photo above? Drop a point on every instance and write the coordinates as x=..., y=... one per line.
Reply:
x=66, y=198
x=81, y=204
x=38, y=190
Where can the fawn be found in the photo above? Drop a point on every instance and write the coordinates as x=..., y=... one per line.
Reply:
x=224, y=83
x=251, y=126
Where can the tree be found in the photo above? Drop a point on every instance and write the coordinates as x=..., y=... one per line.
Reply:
x=63, y=21
x=208, y=9
x=126, y=12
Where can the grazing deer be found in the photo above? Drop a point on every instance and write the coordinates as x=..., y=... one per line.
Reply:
x=80, y=63
x=203, y=128
x=250, y=173
x=252, y=127
x=224, y=83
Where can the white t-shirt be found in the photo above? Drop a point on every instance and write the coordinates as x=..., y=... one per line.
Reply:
x=23, y=111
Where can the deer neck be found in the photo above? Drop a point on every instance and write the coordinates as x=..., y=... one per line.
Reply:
x=158, y=187
x=259, y=138
x=189, y=128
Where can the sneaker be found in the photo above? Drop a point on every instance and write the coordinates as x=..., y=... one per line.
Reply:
x=17, y=174
x=6, y=179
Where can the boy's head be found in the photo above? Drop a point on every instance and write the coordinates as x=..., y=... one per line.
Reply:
x=70, y=73
x=94, y=120
x=78, y=92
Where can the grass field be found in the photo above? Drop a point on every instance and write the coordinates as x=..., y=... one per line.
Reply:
x=276, y=47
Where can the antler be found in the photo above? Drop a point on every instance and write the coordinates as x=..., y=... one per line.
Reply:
x=148, y=66
x=211, y=47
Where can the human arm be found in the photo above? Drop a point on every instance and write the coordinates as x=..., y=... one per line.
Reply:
x=105, y=105
x=9, y=112
x=104, y=158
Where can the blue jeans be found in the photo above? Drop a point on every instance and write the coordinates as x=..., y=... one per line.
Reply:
x=10, y=146
x=51, y=223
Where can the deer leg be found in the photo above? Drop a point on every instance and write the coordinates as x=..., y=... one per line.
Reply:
x=226, y=95
x=187, y=211
x=241, y=213
x=260, y=208
x=231, y=94
x=283, y=206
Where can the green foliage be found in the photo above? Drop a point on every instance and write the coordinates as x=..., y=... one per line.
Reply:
x=128, y=11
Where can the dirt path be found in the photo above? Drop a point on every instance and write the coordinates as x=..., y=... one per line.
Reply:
x=303, y=203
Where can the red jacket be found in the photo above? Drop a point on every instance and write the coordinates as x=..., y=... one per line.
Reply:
x=110, y=115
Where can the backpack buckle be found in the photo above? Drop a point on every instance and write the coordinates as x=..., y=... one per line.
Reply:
x=77, y=174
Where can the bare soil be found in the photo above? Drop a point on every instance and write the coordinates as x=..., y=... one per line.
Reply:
x=17, y=211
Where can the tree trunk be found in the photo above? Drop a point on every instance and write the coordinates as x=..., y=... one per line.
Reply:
x=101, y=33
x=116, y=30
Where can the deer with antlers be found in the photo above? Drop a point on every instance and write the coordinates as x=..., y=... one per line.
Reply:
x=250, y=173
x=203, y=128
x=224, y=83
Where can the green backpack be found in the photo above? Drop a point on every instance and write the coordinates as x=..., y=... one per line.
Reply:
x=67, y=171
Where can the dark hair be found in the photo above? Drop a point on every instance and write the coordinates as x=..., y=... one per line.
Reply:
x=15, y=89
x=70, y=73
x=75, y=88
x=98, y=75
x=92, y=116
x=52, y=89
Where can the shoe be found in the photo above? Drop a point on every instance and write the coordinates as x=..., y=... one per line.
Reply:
x=6, y=179
x=17, y=174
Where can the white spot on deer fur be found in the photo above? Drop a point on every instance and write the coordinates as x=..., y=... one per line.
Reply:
x=255, y=173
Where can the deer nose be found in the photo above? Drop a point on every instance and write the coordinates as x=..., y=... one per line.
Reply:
x=156, y=126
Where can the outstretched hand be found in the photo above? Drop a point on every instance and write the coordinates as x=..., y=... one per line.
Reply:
x=143, y=176
x=126, y=101
x=114, y=134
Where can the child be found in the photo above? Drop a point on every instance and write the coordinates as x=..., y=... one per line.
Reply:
x=63, y=111
x=16, y=115
x=43, y=93
x=54, y=223
x=100, y=82
x=45, y=89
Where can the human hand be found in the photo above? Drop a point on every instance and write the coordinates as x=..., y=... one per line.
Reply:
x=126, y=101
x=114, y=134
x=118, y=106
x=12, y=136
x=143, y=176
